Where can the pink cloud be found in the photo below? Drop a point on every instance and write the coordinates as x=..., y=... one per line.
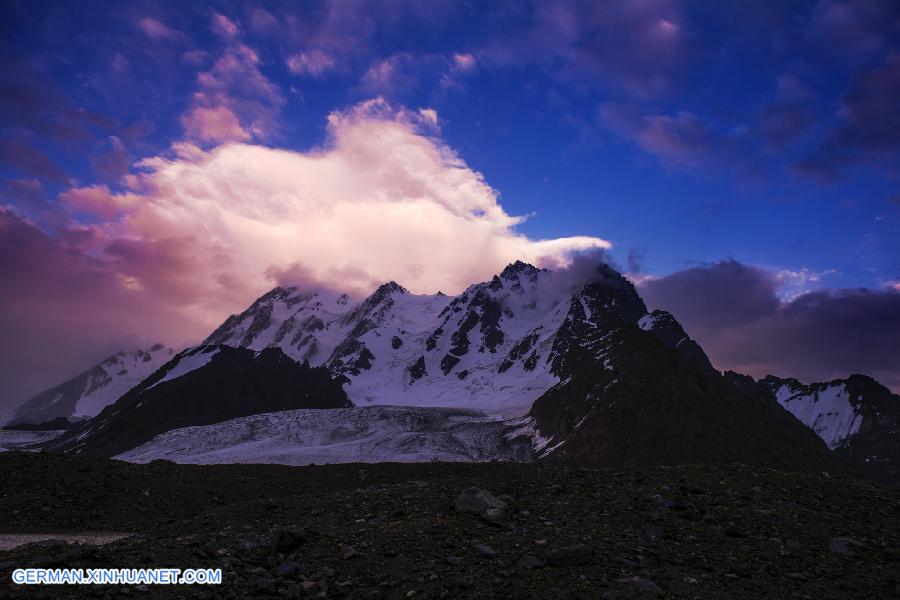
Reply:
x=217, y=124
x=235, y=101
x=464, y=62
x=157, y=30
x=97, y=200
x=194, y=58
x=314, y=62
x=224, y=27
x=262, y=21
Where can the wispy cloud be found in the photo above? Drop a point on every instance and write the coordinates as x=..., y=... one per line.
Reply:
x=314, y=63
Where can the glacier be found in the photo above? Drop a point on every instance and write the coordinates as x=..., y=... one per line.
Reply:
x=362, y=434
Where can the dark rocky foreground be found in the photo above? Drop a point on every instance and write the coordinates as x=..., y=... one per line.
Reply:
x=419, y=531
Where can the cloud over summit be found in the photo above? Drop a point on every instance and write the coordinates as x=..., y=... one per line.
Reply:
x=384, y=195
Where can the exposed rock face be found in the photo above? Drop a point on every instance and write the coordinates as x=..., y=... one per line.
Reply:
x=632, y=391
x=670, y=332
x=203, y=385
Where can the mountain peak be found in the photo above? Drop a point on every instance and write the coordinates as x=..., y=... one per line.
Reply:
x=516, y=268
x=390, y=287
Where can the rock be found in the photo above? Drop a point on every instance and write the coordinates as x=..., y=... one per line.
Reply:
x=844, y=546
x=529, y=561
x=654, y=532
x=732, y=531
x=453, y=560
x=797, y=576
x=496, y=517
x=674, y=505
x=643, y=584
x=483, y=550
x=348, y=552
x=288, y=568
x=570, y=556
x=265, y=585
x=285, y=541
x=477, y=501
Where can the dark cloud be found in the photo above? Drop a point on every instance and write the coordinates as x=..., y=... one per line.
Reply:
x=719, y=295
x=112, y=162
x=857, y=27
x=30, y=102
x=681, y=140
x=31, y=161
x=869, y=129
x=636, y=257
x=637, y=47
x=784, y=123
x=733, y=311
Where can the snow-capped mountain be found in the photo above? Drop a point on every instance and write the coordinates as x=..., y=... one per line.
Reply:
x=582, y=371
x=86, y=394
x=486, y=348
x=857, y=417
x=528, y=365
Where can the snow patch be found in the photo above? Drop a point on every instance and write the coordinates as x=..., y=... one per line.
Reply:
x=193, y=360
x=828, y=412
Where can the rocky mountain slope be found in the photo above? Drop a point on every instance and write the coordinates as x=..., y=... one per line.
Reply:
x=635, y=389
x=85, y=395
x=203, y=385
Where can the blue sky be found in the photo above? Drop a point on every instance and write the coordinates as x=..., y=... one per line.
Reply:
x=683, y=133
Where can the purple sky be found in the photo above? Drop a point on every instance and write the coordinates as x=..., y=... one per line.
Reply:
x=165, y=163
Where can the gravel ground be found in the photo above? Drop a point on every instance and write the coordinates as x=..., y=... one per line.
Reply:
x=458, y=530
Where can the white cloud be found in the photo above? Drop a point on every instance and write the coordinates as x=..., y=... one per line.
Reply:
x=382, y=199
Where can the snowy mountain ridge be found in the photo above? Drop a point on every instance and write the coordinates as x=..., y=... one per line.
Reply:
x=86, y=394
x=491, y=343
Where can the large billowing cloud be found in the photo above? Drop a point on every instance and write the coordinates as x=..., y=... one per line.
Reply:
x=200, y=234
x=382, y=199
x=736, y=314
